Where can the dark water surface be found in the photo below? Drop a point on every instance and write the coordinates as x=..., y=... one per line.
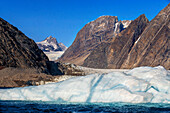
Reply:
x=38, y=106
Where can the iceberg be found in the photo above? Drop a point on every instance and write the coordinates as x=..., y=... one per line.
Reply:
x=139, y=85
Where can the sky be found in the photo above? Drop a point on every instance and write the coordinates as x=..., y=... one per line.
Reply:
x=63, y=19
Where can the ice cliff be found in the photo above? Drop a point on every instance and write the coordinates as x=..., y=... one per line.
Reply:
x=139, y=85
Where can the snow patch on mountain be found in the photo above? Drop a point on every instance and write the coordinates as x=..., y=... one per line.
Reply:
x=52, y=48
x=54, y=55
x=126, y=23
x=139, y=85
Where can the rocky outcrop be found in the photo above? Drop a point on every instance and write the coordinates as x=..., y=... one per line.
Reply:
x=91, y=35
x=17, y=50
x=112, y=54
x=141, y=44
x=153, y=46
x=19, y=77
x=70, y=69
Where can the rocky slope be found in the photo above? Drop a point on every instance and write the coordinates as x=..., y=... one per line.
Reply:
x=17, y=50
x=92, y=34
x=18, y=77
x=22, y=63
x=112, y=54
x=153, y=46
x=141, y=44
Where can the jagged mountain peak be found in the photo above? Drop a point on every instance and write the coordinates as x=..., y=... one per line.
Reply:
x=49, y=44
x=51, y=39
x=52, y=48
x=111, y=54
x=91, y=35
x=143, y=43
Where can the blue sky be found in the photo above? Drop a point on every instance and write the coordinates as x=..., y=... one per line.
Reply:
x=63, y=19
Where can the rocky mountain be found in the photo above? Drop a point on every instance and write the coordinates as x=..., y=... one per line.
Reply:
x=91, y=35
x=62, y=46
x=17, y=50
x=153, y=46
x=52, y=48
x=51, y=44
x=111, y=54
x=141, y=44
x=22, y=63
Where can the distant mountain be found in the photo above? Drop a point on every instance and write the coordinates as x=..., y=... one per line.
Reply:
x=62, y=46
x=51, y=44
x=52, y=48
x=91, y=35
x=141, y=44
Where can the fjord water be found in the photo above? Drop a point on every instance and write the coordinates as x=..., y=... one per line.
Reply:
x=51, y=106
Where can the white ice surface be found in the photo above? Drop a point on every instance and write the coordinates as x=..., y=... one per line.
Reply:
x=139, y=85
x=46, y=43
x=54, y=55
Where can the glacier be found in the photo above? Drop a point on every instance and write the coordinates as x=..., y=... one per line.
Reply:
x=138, y=85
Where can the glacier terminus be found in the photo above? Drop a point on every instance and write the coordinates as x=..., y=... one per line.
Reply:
x=138, y=85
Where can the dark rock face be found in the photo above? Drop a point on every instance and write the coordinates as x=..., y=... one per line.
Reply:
x=70, y=69
x=153, y=47
x=112, y=54
x=90, y=36
x=141, y=44
x=59, y=68
x=17, y=50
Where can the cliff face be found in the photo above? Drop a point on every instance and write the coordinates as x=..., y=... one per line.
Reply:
x=153, y=46
x=17, y=50
x=91, y=35
x=141, y=44
x=112, y=54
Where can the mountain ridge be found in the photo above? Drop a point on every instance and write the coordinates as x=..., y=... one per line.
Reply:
x=51, y=44
x=150, y=48
x=52, y=48
x=93, y=33
x=109, y=54
x=17, y=50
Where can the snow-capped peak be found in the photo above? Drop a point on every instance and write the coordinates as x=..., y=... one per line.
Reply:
x=50, y=44
x=52, y=48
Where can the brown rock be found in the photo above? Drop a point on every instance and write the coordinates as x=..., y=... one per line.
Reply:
x=152, y=48
x=19, y=77
x=141, y=44
x=112, y=54
x=90, y=36
x=17, y=50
